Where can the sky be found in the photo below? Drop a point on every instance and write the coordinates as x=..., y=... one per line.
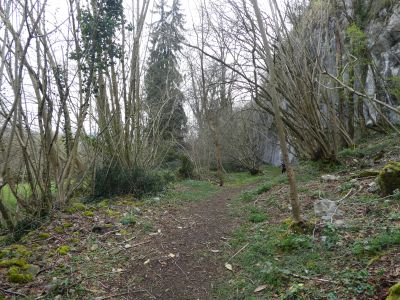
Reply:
x=57, y=13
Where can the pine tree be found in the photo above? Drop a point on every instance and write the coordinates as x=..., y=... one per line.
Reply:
x=162, y=82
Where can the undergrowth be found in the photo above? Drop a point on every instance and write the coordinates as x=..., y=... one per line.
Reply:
x=330, y=262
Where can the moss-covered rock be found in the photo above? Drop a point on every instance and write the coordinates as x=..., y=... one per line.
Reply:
x=76, y=207
x=88, y=213
x=19, y=262
x=389, y=178
x=368, y=173
x=16, y=275
x=43, y=235
x=63, y=250
x=67, y=225
x=394, y=292
x=15, y=251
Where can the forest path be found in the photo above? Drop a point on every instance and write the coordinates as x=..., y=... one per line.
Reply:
x=183, y=260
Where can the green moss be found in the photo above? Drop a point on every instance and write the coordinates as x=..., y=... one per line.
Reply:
x=368, y=173
x=15, y=251
x=112, y=213
x=16, y=276
x=67, y=225
x=394, y=292
x=88, y=213
x=63, y=250
x=59, y=229
x=389, y=178
x=76, y=207
x=298, y=227
x=104, y=203
x=44, y=235
x=19, y=262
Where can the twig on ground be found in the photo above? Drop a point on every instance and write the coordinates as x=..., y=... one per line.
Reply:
x=240, y=250
x=258, y=198
x=125, y=293
x=13, y=292
x=339, y=201
x=110, y=232
x=184, y=273
x=315, y=279
x=134, y=245
x=315, y=228
x=125, y=241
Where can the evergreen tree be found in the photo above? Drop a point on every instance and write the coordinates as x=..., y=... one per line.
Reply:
x=162, y=82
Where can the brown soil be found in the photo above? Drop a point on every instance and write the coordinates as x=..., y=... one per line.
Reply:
x=182, y=261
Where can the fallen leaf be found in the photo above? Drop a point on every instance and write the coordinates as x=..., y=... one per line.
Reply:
x=171, y=255
x=260, y=288
x=127, y=246
x=146, y=262
x=215, y=251
x=229, y=266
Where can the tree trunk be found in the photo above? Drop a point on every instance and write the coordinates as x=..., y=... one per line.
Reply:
x=6, y=215
x=350, y=100
x=294, y=201
x=218, y=154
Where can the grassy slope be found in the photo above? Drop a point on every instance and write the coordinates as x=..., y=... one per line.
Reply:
x=359, y=260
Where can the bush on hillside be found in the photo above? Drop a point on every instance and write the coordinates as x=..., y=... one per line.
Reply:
x=186, y=169
x=114, y=179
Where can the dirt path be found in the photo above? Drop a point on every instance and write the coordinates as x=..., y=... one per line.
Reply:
x=182, y=261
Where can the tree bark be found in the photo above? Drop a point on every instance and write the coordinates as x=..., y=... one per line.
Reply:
x=294, y=201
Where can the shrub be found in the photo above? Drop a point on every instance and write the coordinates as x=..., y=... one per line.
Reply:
x=186, y=169
x=114, y=179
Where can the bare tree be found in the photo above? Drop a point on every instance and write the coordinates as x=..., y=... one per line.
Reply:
x=294, y=201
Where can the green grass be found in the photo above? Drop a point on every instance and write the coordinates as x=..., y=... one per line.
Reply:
x=281, y=259
x=23, y=190
x=244, y=178
x=375, y=245
x=190, y=191
x=8, y=198
x=370, y=148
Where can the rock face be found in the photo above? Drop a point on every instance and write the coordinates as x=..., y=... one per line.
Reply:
x=381, y=26
x=384, y=40
x=389, y=178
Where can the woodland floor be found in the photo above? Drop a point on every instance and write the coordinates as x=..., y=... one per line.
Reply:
x=160, y=251
x=200, y=241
